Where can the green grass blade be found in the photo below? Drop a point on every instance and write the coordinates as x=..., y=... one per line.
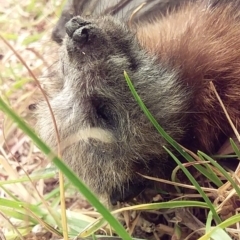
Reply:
x=235, y=147
x=230, y=221
x=167, y=137
x=48, y=173
x=221, y=169
x=220, y=234
x=209, y=169
x=18, y=215
x=175, y=145
x=68, y=173
x=164, y=205
x=198, y=188
x=209, y=221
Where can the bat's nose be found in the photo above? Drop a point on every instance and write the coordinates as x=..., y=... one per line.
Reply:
x=78, y=29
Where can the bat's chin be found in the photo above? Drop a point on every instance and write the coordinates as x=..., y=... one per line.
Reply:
x=88, y=135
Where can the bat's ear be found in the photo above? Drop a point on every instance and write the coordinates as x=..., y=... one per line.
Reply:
x=59, y=31
x=135, y=10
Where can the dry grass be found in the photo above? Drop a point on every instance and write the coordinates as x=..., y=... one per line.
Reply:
x=27, y=29
x=26, y=25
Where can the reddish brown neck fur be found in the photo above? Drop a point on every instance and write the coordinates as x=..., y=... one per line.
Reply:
x=203, y=44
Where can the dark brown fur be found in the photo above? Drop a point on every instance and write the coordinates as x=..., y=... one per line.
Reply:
x=105, y=136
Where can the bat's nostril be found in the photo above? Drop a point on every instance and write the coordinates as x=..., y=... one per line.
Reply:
x=81, y=35
x=74, y=24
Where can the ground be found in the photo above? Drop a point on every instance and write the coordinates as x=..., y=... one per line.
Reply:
x=25, y=204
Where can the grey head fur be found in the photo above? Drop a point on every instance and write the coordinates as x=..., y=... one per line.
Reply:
x=105, y=137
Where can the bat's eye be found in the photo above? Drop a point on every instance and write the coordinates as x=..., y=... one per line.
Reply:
x=32, y=107
x=105, y=113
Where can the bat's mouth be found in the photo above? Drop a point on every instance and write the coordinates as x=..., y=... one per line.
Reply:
x=129, y=191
